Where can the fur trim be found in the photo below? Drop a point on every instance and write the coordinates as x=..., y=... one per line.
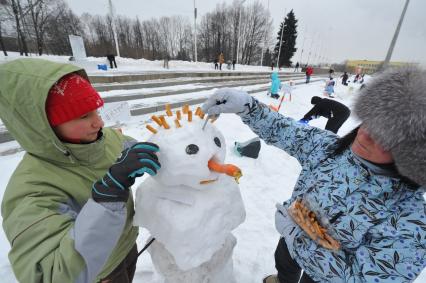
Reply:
x=392, y=107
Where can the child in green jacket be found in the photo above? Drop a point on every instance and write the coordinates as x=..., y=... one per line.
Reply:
x=67, y=211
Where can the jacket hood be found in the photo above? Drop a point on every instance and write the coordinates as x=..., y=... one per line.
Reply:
x=24, y=86
x=315, y=100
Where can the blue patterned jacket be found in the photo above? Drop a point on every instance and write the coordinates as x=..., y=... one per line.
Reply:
x=378, y=219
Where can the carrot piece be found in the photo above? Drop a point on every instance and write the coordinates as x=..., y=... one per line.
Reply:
x=151, y=129
x=228, y=169
x=164, y=123
x=178, y=115
x=185, y=109
x=177, y=124
x=156, y=120
x=168, y=110
x=189, y=115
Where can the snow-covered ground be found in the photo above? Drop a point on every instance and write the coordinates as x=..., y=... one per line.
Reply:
x=266, y=180
x=140, y=66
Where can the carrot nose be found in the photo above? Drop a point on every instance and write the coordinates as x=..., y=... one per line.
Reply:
x=228, y=169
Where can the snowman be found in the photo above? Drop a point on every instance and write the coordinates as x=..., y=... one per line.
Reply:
x=192, y=205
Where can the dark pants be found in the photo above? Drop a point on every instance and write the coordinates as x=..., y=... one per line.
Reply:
x=334, y=123
x=125, y=271
x=288, y=269
x=111, y=60
x=308, y=78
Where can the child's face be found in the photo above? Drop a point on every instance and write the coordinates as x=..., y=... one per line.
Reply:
x=81, y=130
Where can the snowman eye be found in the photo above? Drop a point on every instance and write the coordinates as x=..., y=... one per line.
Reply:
x=192, y=149
x=217, y=141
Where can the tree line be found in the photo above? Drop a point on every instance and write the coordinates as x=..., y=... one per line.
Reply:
x=43, y=26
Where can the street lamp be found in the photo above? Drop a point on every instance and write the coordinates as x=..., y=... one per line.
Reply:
x=195, y=32
x=281, y=42
x=239, y=30
x=303, y=45
x=114, y=32
x=395, y=37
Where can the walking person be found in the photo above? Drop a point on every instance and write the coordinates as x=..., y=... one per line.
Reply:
x=221, y=59
x=166, y=61
x=67, y=209
x=275, y=85
x=345, y=78
x=296, y=68
x=329, y=88
x=357, y=210
x=216, y=65
x=336, y=113
x=233, y=64
x=111, y=59
x=309, y=72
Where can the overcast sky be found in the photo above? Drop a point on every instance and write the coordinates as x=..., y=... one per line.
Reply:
x=333, y=29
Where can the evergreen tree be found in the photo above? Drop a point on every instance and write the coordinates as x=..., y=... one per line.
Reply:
x=288, y=41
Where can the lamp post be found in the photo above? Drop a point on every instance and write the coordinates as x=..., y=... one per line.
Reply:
x=303, y=45
x=195, y=32
x=395, y=37
x=281, y=42
x=239, y=30
x=114, y=32
x=310, y=49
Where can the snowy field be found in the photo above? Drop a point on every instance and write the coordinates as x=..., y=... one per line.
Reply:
x=140, y=66
x=266, y=180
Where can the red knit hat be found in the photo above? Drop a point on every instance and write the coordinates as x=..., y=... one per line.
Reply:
x=69, y=98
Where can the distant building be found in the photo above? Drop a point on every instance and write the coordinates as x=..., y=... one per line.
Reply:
x=370, y=67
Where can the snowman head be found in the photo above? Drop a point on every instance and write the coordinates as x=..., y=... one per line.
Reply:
x=186, y=149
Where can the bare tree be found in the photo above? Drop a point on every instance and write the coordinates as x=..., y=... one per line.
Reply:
x=60, y=24
x=14, y=7
x=125, y=35
x=256, y=25
x=40, y=12
x=138, y=41
x=2, y=19
x=44, y=25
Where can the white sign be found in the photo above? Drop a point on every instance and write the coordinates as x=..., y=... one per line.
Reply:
x=77, y=46
x=115, y=113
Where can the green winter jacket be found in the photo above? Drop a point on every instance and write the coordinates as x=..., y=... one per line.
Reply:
x=48, y=215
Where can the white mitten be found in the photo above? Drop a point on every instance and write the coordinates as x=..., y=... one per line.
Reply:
x=228, y=100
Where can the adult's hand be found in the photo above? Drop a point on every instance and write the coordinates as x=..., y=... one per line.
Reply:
x=228, y=100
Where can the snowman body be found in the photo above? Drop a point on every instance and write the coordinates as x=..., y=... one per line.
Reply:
x=189, y=209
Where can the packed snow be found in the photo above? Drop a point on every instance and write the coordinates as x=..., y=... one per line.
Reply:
x=266, y=180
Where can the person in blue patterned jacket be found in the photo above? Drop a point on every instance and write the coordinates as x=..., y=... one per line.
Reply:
x=367, y=186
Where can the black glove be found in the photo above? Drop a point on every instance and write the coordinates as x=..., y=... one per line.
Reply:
x=132, y=163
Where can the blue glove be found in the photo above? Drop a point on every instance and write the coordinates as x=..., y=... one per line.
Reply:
x=133, y=163
x=304, y=121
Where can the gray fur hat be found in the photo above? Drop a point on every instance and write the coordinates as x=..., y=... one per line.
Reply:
x=392, y=108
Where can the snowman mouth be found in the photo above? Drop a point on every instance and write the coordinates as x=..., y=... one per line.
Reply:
x=205, y=182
